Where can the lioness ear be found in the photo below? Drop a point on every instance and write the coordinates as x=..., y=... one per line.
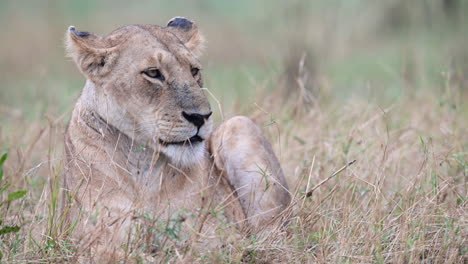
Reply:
x=93, y=54
x=188, y=33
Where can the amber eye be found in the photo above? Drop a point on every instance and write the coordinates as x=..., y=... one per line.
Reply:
x=154, y=73
x=195, y=71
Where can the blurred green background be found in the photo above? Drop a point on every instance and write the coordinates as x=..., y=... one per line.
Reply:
x=374, y=50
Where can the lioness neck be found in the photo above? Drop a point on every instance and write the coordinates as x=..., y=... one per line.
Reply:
x=97, y=119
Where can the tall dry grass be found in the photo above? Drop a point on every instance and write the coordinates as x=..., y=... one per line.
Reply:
x=375, y=177
x=403, y=200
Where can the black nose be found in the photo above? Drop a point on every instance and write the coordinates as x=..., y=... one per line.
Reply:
x=196, y=119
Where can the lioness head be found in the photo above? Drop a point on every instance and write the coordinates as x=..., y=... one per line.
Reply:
x=145, y=81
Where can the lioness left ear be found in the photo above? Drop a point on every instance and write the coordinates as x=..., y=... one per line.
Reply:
x=188, y=33
x=94, y=55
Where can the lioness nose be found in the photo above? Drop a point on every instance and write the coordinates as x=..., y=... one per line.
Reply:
x=197, y=119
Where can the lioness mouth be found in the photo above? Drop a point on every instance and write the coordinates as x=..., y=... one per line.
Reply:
x=193, y=140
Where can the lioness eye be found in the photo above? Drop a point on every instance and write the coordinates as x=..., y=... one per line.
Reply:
x=154, y=73
x=195, y=71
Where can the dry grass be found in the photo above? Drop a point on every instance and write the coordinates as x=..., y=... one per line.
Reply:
x=404, y=199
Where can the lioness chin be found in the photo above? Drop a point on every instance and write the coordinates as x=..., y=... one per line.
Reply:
x=141, y=142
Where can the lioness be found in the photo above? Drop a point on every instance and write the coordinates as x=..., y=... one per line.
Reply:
x=140, y=139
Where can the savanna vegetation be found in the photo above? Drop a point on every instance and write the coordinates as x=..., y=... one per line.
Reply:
x=365, y=103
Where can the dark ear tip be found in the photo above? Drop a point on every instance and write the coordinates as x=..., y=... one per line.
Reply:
x=180, y=22
x=78, y=33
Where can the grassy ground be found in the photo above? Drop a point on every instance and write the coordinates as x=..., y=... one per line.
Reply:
x=330, y=82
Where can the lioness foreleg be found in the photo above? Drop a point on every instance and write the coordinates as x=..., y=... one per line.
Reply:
x=243, y=154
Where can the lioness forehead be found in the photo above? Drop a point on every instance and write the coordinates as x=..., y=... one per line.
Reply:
x=153, y=37
x=176, y=47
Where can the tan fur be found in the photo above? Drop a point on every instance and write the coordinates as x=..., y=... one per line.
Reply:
x=117, y=167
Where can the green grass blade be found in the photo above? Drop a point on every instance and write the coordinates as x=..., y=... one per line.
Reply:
x=16, y=195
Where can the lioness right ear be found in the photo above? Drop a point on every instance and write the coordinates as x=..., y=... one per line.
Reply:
x=187, y=32
x=91, y=53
